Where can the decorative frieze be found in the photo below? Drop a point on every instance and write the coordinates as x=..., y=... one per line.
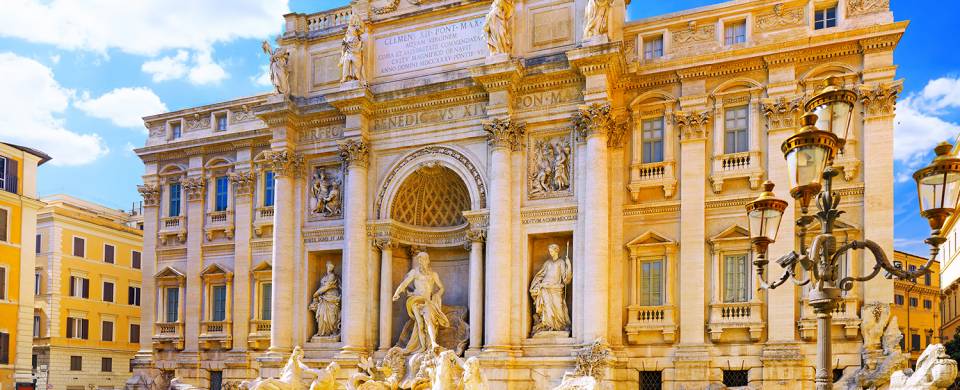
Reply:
x=285, y=163
x=594, y=119
x=548, y=215
x=198, y=122
x=430, y=116
x=550, y=98
x=549, y=166
x=323, y=235
x=324, y=133
x=193, y=187
x=244, y=114
x=150, y=194
x=355, y=152
x=863, y=7
x=781, y=112
x=692, y=125
x=505, y=133
x=880, y=99
x=780, y=19
x=693, y=35
x=243, y=182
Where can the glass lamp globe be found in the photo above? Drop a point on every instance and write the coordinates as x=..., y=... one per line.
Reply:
x=833, y=106
x=808, y=153
x=764, y=214
x=938, y=187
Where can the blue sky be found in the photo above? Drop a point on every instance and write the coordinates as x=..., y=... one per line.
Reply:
x=77, y=77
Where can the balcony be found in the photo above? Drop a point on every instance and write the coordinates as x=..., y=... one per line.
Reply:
x=168, y=334
x=216, y=335
x=259, y=337
x=736, y=166
x=846, y=320
x=647, y=324
x=219, y=221
x=173, y=227
x=727, y=316
x=301, y=24
x=263, y=217
x=656, y=174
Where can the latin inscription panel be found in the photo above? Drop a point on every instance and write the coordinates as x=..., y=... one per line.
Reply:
x=431, y=47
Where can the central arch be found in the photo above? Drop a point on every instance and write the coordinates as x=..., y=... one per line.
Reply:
x=433, y=157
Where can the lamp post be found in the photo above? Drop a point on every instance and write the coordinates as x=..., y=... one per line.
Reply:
x=810, y=154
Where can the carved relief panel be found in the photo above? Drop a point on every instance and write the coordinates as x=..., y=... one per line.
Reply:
x=550, y=165
x=326, y=192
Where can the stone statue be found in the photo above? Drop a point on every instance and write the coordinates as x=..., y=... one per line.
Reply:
x=592, y=362
x=423, y=304
x=326, y=195
x=561, y=171
x=935, y=370
x=880, y=355
x=351, y=57
x=279, y=67
x=596, y=18
x=326, y=304
x=383, y=376
x=548, y=290
x=497, y=27
x=291, y=376
x=551, y=166
x=473, y=378
x=544, y=174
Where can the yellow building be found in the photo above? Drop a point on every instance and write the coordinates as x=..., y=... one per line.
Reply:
x=917, y=305
x=18, y=210
x=86, y=324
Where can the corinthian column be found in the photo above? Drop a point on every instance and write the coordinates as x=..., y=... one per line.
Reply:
x=287, y=166
x=475, y=237
x=148, y=266
x=593, y=123
x=193, y=187
x=386, y=291
x=503, y=137
x=355, y=155
x=243, y=185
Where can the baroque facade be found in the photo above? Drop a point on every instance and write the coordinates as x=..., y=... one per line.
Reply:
x=571, y=177
x=917, y=305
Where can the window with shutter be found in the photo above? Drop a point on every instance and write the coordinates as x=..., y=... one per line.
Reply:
x=108, y=253
x=9, y=168
x=108, y=291
x=106, y=331
x=76, y=363
x=174, y=205
x=651, y=283
x=266, y=301
x=3, y=173
x=38, y=243
x=268, y=188
x=106, y=364
x=736, y=281
x=86, y=287
x=133, y=296
x=134, y=333
x=173, y=304
x=79, y=247
x=735, y=130
x=3, y=283
x=4, y=348
x=36, y=326
x=221, y=193
x=4, y=224
x=219, y=303
x=85, y=329
x=135, y=259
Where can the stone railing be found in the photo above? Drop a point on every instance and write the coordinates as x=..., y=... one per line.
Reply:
x=297, y=24
x=650, y=324
x=263, y=217
x=215, y=334
x=172, y=223
x=168, y=333
x=219, y=221
x=172, y=227
x=259, y=336
x=736, y=315
x=656, y=174
x=846, y=319
x=736, y=165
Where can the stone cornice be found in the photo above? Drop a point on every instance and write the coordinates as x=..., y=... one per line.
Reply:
x=356, y=101
x=498, y=76
x=599, y=59
x=194, y=147
x=422, y=102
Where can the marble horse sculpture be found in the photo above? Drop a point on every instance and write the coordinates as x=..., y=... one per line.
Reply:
x=935, y=370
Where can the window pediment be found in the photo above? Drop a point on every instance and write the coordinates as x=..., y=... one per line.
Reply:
x=169, y=272
x=651, y=242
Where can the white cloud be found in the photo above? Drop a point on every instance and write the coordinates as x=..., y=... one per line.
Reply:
x=919, y=126
x=143, y=27
x=128, y=149
x=167, y=68
x=31, y=106
x=202, y=70
x=55, y=59
x=263, y=78
x=123, y=106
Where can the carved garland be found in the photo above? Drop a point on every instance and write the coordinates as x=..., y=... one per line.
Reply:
x=150, y=194
x=863, y=7
x=432, y=150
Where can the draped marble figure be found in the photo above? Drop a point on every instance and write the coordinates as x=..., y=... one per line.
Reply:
x=597, y=17
x=291, y=376
x=423, y=304
x=279, y=67
x=326, y=303
x=497, y=28
x=351, y=58
x=548, y=290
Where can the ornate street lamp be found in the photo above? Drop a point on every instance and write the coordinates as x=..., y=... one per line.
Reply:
x=809, y=154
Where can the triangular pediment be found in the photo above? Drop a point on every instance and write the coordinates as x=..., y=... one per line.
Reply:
x=263, y=266
x=650, y=237
x=214, y=269
x=838, y=225
x=734, y=232
x=169, y=272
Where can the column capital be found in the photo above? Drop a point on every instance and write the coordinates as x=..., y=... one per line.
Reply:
x=355, y=153
x=504, y=133
x=193, y=187
x=243, y=182
x=285, y=163
x=781, y=112
x=476, y=235
x=692, y=125
x=385, y=243
x=150, y=194
x=592, y=120
x=616, y=138
x=880, y=100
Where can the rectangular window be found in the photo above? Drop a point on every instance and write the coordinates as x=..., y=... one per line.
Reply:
x=135, y=259
x=174, y=206
x=3, y=284
x=79, y=287
x=266, y=291
x=78, y=328
x=735, y=32
x=34, y=361
x=9, y=173
x=134, y=333
x=76, y=363
x=108, y=291
x=216, y=380
x=4, y=221
x=268, y=188
x=927, y=304
x=653, y=47
x=651, y=380
x=736, y=281
x=175, y=130
x=36, y=326
x=133, y=295
x=219, y=303
x=651, y=283
x=926, y=279
x=173, y=304
x=38, y=243
x=825, y=18
x=221, y=194
x=735, y=130
x=914, y=342
x=4, y=348
x=79, y=247
x=36, y=283
x=109, y=252
x=652, y=140
x=736, y=378
x=221, y=120
x=106, y=364
x=106, y=331
x=3, y=172
x=914, y=302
